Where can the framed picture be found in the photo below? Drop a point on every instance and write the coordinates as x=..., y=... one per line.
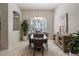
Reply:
x=16, y=21
x=64, y=24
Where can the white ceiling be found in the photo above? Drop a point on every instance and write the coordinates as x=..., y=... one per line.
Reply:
x=48, y=6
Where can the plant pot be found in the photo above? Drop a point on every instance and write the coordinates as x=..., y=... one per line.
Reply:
x=24, y=37
x=72, y=54
x=78, y=54
x=24, y=33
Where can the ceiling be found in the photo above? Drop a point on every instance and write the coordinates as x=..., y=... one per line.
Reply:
x=48, y=6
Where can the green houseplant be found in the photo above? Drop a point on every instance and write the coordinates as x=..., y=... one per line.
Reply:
x=73, y=44
x=24, y=27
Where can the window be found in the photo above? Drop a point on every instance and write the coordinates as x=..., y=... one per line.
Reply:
x=38, y=24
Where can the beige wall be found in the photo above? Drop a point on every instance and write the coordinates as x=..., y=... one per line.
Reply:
x=14, y=36
x=0, y=29
x=48, y=14
x=73, y=16
x=8, y=37
x=4, y=25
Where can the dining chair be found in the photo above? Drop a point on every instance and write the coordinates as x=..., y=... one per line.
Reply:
x=38, y=44
x=36, y=35
x=30, y=40
x=46, y=40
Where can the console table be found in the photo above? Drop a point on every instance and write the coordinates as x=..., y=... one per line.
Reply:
x=61, y=41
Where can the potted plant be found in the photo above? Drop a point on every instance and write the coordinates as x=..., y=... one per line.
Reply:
x=73, y=44
x=24, y=27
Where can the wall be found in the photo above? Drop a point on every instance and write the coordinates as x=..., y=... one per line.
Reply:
x=14, y=36
x=4, y=25
x=73, y=16
x=48, y=14
x=0, y=29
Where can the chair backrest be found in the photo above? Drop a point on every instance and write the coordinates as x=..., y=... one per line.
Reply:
x=30, y=39
x=46, y=34
x=38, y=43
x=38, y=35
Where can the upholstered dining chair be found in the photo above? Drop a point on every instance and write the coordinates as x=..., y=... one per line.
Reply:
x=38, y=44
x=36, y=35
x=46, y=39
x=30, y=40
